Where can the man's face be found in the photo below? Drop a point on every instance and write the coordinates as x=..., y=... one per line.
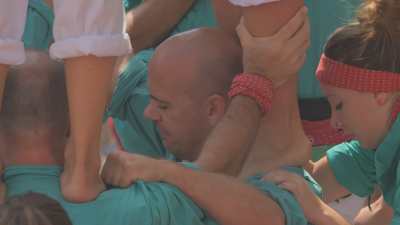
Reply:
x=179, y=112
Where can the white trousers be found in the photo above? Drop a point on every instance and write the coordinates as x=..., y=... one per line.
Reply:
x=245, y=3
x=81, y=27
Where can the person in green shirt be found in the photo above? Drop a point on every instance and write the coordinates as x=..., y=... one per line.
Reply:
x=359, y=72
x=35, y=134
x=162, y=19
x=139, y=135
x=34, y=128
x=186, y=104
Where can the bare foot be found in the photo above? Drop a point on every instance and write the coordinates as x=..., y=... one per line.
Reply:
x=81, y=181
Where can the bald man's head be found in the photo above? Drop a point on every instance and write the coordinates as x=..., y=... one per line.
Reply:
x=34, y=97
x=189, y=77
x=209, y=57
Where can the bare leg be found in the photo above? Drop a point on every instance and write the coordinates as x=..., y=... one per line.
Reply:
x=281, y=139
x=228, y=15
x=88, y=84
x=3, y=77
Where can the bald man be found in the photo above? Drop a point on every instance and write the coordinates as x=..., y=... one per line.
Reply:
x=186, y=104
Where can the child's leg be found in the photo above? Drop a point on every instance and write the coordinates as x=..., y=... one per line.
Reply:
x=12, y=24
x=88, y=85
x=89, y=34
x=3, y=77
x=281, y=129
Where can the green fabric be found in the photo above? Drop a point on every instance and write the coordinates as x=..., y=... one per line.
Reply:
x=319, y=151
x=38, y=32
x=325, y=17
x=292, y=210
x=138, y=134
x=359, y=170
x=349, y=161
x=130, y=4
x=141, y=203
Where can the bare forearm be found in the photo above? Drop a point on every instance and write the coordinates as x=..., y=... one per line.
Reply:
x=326, y=178
x=378, y=213
x=226, y=148
x=152, y=20
x=328, y=216
x=226, y=199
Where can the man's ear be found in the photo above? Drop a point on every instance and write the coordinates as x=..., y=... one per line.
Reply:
x=216, y=106
x=383, y=98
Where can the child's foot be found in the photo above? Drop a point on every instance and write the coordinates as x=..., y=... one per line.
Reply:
x=81, y=182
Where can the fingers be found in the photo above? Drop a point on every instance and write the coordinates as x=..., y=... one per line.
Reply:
x=294, y=24
x=244, y=35
x=301, y=40
x=115, y=171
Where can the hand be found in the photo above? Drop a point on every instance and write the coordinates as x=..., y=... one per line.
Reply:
x=280, y=56
x=122, y=169
x=300, y=189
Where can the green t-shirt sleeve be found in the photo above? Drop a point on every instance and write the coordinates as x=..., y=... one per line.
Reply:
x=130, y=86
x=291, y=208
x=396, y=218
x=169, y=206
x=201, y=14
x=130, y=4
x=38, y=33
x=353, y=167
x=131, y=96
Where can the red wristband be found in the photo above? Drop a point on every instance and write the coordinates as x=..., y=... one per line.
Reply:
x=254, y=86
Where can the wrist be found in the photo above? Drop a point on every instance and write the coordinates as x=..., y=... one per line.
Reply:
x=259, y=88
x=171, y=172
x=321, y=215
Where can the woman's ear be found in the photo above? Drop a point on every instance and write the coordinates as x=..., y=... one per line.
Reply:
x=382, y=98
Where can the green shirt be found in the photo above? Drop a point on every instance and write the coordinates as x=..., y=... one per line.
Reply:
x=144, y=203
x=140, y=204
x=291, y=208
x=131, y=96
x=38, y=32
x=359, y=170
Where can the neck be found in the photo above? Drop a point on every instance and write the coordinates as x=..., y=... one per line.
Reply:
x=32, y=152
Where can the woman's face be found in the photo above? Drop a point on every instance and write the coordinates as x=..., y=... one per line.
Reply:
x=358, y=114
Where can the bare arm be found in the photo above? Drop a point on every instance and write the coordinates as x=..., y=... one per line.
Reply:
x=226, y=199
x=315, y=210
x=225, y=148
x=152, y=20
x=325, y=177
x=380, y=213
